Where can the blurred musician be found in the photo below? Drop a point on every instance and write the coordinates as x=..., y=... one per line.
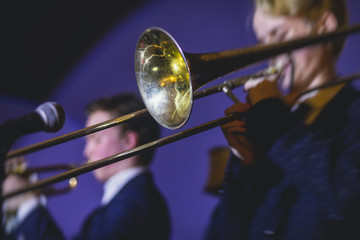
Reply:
x=294, y=172
x=132, y=207
x=25, y=215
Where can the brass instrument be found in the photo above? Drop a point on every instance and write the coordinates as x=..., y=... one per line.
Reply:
x=18, y=166
x=167, y=77
x=228, y=84
x=169, y=81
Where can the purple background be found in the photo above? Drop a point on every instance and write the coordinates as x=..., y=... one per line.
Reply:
x=181, y=168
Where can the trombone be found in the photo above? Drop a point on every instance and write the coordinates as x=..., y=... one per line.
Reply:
x=18, y=166
x=167, y=77
x=176, y=83
x=169, y=80
x=226, y=85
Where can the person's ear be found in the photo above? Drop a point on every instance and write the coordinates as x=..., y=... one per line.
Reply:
x=131, y=139
x=327, y=23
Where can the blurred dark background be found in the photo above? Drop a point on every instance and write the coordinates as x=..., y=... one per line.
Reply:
x=45, y=39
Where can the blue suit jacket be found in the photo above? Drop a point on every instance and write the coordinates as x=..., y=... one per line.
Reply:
x=39, y=225
x=138, y=211
x=307, y=184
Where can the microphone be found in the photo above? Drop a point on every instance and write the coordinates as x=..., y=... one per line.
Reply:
x=48, y=117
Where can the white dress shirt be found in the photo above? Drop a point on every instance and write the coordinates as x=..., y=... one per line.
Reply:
x=116, y=182
x=28, y=206
x=23, y=211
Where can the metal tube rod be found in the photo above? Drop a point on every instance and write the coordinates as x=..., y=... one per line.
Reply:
x=123, y=155
x=231, y=84
x=76, y=134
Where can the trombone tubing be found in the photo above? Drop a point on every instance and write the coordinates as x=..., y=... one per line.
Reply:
x=126, y=154
x=230, y=57
x=76, y=134
x=232, y=83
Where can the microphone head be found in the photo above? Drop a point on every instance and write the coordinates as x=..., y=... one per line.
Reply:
x=53, y=116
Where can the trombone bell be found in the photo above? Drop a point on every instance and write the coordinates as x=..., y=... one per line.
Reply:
x=163, y=78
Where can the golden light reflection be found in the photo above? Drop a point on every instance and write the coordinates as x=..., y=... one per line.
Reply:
x=175, y=67
x=73, y=182
x=166, y=81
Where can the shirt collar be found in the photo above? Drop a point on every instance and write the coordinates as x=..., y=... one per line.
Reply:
x=29, y=205
x=116, y=182
x=317, y=100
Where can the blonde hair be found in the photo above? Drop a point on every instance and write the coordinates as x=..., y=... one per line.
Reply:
x=312, y=10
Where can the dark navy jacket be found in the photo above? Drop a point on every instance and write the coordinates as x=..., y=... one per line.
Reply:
x=307, y=184
x=138, y=211
x=39, y=225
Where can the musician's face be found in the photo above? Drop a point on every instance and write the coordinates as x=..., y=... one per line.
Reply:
x=307, y=61
x=104, y=143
